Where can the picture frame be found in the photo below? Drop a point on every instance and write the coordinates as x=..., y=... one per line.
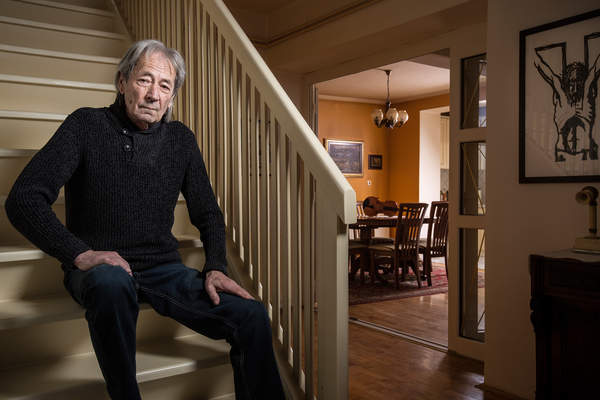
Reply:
x=348, y=156
x=375, y=161
x=559, y=68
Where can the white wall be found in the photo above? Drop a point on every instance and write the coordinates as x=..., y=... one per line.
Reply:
x=522, y=219
x=429, y=155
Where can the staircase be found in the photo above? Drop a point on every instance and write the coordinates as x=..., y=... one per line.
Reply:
x=56, y=56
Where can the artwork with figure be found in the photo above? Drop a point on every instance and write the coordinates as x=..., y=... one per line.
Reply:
x=560, y=70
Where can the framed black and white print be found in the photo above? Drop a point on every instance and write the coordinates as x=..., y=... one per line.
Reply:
x=559, y=128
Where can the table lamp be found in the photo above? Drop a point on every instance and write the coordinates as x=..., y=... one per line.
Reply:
x=590, y=243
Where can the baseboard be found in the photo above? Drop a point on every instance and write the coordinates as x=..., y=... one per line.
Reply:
x=230, y=396
x=498, y=392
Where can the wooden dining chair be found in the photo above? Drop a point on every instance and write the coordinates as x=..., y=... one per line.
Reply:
x=357, y=248
x=437, y=236
x=404, y=252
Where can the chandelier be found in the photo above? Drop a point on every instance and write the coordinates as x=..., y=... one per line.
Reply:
x=391, y=118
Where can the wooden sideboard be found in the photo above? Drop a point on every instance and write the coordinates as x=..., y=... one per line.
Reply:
x=565, y=312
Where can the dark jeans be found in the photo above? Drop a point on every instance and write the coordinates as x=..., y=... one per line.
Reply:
x=111, y=299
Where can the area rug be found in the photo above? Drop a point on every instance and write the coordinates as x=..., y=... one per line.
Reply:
x=381, y=291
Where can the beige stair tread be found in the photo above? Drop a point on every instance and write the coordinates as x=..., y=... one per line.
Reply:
x=155, y=360
x=10, y=153
x=62, y=28
x=71, y=7
x=7, y=114
x=31, y=80
x=58, y=54
x=26, y=252
x=20, y=253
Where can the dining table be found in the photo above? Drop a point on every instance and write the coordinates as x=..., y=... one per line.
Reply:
x=367, y=225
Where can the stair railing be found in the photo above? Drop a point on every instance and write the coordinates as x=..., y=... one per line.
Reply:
x=286, y=204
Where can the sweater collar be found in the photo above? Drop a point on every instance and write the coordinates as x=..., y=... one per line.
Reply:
x=117, y=111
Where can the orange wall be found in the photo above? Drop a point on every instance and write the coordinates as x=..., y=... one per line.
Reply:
x=399, y=178
x=404, y=147
x=352, y=121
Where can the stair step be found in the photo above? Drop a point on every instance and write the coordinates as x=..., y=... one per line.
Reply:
x=5, y=114
x=59, y=14
x=55, y=65
x=62, y=28
x=95, y=4
x=32, y=80
x=21, y=313
x=25, y=33
x=27, y=130
x=68, y=330
x=156, y=360
x=27, y=252
x=73, y=7
x=51, y=96
x=59, y=54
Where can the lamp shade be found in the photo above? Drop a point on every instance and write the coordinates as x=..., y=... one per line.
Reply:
x=391, y=117
x=377, y=116
x=403, y=117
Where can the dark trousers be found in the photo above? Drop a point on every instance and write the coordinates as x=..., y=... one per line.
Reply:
x=111, y=299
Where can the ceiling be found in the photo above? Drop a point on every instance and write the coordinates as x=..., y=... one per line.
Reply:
x=409, y=80
x=260, y=6
x=419, y=77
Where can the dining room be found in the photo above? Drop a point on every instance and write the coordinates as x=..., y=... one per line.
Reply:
x=406, y=164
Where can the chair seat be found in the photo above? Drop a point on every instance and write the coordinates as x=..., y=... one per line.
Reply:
x=357, y=246
x=380, y=240
x=382, y=247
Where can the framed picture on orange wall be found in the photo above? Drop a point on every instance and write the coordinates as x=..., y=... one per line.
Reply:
x=347, y=155
x=375, y=161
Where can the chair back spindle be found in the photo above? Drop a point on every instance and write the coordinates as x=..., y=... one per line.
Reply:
x=408, y=228
x=437, y=232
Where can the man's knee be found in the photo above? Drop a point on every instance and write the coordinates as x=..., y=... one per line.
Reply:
x=106, y=284
x=255, y=314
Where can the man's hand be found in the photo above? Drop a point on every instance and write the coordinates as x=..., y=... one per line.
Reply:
x=89, y=259
x=216, y=281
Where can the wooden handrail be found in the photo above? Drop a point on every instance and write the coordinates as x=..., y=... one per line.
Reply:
x=285, y=202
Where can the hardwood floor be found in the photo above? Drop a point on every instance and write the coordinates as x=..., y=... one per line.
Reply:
x=424, y=316
x=384, y=366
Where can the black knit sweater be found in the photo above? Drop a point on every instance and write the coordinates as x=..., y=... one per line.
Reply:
x=121, y=188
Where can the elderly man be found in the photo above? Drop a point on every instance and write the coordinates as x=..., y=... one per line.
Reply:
x=123, y=168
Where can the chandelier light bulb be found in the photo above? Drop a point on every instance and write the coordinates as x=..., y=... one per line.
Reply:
x=377, y=116
x=392, y=117
x=403, y=117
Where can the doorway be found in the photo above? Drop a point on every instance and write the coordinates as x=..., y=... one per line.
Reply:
x=343, y=112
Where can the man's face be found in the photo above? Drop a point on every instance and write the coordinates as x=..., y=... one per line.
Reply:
x=149, y=90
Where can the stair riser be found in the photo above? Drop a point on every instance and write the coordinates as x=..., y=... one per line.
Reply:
x=10, y=168
x=9, y=235
x=207, y=383
x=26, y=134
x=30, y=345
x=50, y=99
x=52, y=15
x=31, y=278
x=27, y=36
x=56, y=68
